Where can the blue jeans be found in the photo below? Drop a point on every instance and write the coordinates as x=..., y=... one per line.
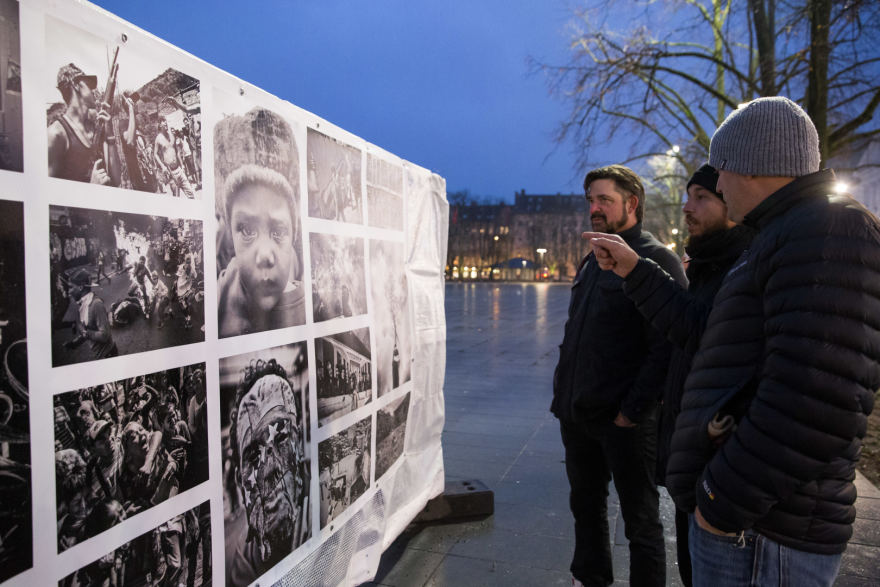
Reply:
x=753, y=559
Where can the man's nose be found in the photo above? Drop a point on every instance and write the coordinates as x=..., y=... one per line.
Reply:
x=265, y=255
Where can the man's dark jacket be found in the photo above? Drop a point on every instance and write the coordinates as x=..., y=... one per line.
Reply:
x=791, y=348
x=681, y=315
x=610, y=359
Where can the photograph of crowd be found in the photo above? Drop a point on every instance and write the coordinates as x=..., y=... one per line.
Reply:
x=11, y=144
x=266, y=462
x=124, y=446
x=259, y=243
x=391, y=329
x=16, y=528
x=334, y=179
x=123, y=283
x=177, y=552
x=338, y=282
x=384, y=193
x=344, y=468
x=343, y=373
x=390, y=433
x=117, y=118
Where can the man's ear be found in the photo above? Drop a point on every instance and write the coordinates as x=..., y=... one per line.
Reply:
x=632, y=203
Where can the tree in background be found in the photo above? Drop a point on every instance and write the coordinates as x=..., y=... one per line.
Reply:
x=667, y=73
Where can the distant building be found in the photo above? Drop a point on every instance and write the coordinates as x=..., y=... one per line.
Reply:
x=536, y=238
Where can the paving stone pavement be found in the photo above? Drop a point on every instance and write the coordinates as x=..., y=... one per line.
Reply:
x=501, y=350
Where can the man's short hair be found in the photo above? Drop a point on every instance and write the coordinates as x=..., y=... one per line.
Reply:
x=626, y=180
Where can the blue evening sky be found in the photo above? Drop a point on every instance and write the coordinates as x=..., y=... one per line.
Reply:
x=441, y=83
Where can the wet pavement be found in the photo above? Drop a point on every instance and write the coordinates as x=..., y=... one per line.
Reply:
x=501, y=350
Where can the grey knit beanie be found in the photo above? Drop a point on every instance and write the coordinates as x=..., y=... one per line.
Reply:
x=766, y=137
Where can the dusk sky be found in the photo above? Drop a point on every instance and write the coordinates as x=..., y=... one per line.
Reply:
x=444, y=84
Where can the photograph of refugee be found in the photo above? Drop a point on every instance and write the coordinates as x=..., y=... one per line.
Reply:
x=116, y=117
x=259, y=246
x=124, y=446
x=388, y=288
x=344, y=468
x=390, y=433
x=384, y=193
x=266, y=462
x=11, y=144
x=123, y=283
x=16, y=528
x=177, y=552
x=334, y=179
x=338, y=281
x=343, y=373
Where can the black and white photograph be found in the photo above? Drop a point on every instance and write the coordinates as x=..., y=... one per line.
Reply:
x=16, y=528
x=177, y=552
x=11, y=144
x=390, y=433
x=124, y=446
x=343, y=373
x=344, y=468
x=334, y=179
x=266, y=458
x=384, y=193
x=391, y=329
x=259, y=235
x=117, y=117
x=339, y=287
x=123, y=283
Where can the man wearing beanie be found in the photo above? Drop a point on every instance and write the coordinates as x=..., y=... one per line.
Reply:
x=606, y=392
x=714, y=244
x=789, y=361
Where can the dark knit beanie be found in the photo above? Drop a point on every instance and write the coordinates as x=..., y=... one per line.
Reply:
x=766, y=137
x=706, y=177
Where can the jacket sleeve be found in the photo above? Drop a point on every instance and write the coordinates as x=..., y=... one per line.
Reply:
x=667, y=305
x=101, y=330
x=648, y=386
x=821, y=312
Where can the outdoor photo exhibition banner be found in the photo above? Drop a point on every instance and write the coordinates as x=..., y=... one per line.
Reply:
x=221, y=321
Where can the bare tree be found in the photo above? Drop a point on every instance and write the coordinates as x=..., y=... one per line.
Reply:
x=670, y=81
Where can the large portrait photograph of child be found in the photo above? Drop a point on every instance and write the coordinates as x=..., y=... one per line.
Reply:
x=259, y=242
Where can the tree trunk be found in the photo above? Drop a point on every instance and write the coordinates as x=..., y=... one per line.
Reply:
x=765, y=35
x=817, y=78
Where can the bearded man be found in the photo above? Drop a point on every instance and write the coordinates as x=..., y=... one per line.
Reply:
x=606, y=393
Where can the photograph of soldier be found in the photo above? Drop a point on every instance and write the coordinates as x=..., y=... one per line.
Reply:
x=266, y=464
x=259, y=246
x=122, y=119
x=124, y=446
x=390, y=433
x=343, y=373
x=338, y=282
x=344, y=468
x=152, y=297
x=10, y=88
x=390, y=308
x=15, y=450
x=384, y=193
x=334, y=179
x=177, y=552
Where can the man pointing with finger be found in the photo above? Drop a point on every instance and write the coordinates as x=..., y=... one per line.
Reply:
x=606, y=391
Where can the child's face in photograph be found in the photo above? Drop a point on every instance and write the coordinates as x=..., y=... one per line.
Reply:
x=262, y=236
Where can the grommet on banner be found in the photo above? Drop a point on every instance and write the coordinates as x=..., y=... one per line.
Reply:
x=241, y=91
x=124, y=38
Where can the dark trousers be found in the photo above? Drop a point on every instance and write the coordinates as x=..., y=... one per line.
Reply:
x=596, y=453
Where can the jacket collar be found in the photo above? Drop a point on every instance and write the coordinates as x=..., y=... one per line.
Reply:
x=632, y=233
x=816, y=184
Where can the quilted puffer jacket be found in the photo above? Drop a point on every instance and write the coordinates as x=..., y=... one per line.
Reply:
x=792, y=351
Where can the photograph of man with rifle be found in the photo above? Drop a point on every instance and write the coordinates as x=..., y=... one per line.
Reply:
x=127, y=132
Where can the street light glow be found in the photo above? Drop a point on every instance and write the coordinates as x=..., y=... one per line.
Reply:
x=541, y=251
x=841, y=187
x=674, y=231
